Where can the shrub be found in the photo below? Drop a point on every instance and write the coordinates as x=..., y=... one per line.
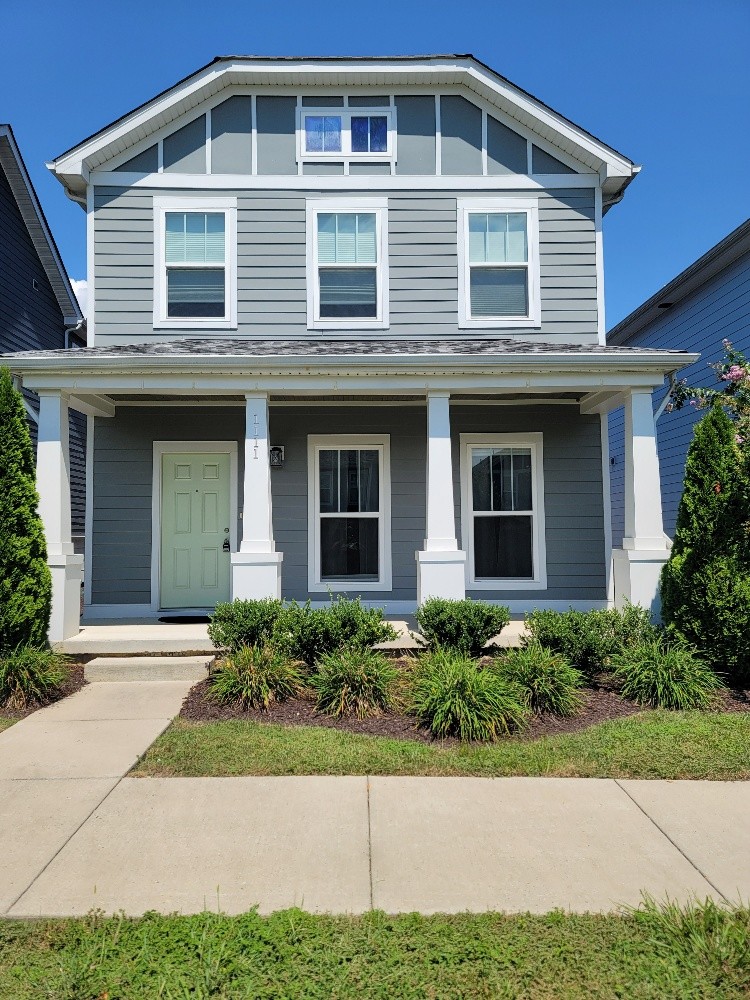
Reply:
x=311, y=633
x=548, y=682
x=29, y=675
x=244, y=623
x=666, y=676
x=253, y=677
x=452, y=696
x=353, y=682
x=588, y=639
x=464, y=626
x=25, y=582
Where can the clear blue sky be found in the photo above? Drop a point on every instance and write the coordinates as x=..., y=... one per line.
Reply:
x=664, y=81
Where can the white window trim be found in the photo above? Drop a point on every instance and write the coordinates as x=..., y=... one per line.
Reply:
x=346, y=114
x=228, y=206
x=531, y=207
x=538, y=538
x=380, y=207
x=382, y=444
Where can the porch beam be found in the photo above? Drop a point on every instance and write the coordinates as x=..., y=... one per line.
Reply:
x=93, y=405
x=602, y=401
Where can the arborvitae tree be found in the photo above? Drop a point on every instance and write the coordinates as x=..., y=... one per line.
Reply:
x=25, y=584
x=705, y=586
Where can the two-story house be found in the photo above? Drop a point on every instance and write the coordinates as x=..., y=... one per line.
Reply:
x=347, y=335
x=38, y=308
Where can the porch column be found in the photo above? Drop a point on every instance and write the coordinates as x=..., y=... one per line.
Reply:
x=441, y=565
x=645, y=547
x=256, y=567
x=53, y=486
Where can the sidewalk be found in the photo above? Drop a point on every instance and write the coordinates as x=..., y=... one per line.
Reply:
x=76, y=835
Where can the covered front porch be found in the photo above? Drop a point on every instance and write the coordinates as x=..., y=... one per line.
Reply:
x=380, y=470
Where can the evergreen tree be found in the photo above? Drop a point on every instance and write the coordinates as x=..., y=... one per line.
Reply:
x=705, y=586
x=25, y=584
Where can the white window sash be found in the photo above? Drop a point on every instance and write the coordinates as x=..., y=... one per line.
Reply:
x=346, y=114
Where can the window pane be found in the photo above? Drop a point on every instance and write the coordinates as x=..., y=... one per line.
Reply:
x=477, y=238
x=194, y=238
x=369, y=481
x=348, y=292
x=349, y=481
x=378, y=134
x=499, y=292
x=503, y=548
x=194, y=292
x=516, y=250
x=522, y=480
x=502, y=480
x=328, y=465
x=480, y=479
x=349, y=548
x=497, y=238
x=347, y=238
x=322, y=133
x=360, y=134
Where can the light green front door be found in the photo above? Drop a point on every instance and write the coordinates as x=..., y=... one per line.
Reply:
x=194, y=530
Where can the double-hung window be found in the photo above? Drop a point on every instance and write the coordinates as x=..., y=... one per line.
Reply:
x=346, y=133
x=347, y=281
x=503, y=511
x=349, y=527
x=499, y=263
x=194, y=263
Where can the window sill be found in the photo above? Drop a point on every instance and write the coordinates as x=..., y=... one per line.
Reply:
x=506, y=585
x=346, y=325
x=192, y=324
x=522, y=322
x=348, y=586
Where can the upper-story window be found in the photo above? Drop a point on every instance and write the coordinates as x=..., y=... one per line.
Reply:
x=194, y=262
x=346, y=134
x=347, y=254
x=498, y=245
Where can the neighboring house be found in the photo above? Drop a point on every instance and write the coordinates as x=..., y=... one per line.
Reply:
x=704, y=305
x=346, y=334
x=38, y=309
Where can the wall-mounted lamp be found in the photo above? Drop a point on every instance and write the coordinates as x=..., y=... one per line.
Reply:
x=277, y=456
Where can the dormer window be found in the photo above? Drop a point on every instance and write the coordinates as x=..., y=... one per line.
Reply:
x=328, y=134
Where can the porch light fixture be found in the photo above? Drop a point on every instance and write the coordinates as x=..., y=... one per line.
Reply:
x=277, y=457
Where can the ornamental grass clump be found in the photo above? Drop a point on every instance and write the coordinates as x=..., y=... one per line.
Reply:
x=462, y=626
x=548, y=681
x=353, y=683
x=666, y=676
x=30, y=676
x=453, y=696
x=253, y=677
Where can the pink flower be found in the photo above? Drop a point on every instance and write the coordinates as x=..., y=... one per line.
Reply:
x=734, y=374
x=739, y=439
x=693, y=402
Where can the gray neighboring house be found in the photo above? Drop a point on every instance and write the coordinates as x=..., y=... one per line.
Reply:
x=38, y=308
x=704, y=305
x=346, y=334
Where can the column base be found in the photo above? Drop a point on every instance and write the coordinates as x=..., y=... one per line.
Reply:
x=256, y=575
x=441, y=574
x=67, y=576
x=636, y=577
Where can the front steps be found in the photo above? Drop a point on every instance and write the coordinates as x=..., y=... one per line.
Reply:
x=148, y=668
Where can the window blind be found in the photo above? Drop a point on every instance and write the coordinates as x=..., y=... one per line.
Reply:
x=497, y=238
x=499, y=291
x=194, y=238
x=347, y=238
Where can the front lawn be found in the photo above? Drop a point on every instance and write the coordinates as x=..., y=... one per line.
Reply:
x=652, y=744
x=653, y=953
x=6, y=722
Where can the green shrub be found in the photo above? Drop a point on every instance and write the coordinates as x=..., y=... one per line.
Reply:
x=25, y=582
x=666, y=676
x=589, y=639
x=452, y=696
x=464, y=626
x=548, y=681
x=308, y=633
x=353, y=682
x=244, y=623
x=253, y=677
x=30, y=676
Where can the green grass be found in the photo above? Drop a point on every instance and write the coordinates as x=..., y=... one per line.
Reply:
x=657, y=744
x=6, y=723
x=652, y=953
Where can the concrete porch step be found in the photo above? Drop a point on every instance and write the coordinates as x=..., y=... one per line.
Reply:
x=147, y=668
x=137, y=638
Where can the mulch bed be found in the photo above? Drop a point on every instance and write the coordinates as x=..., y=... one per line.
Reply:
x=73, y=683
x=601, y=703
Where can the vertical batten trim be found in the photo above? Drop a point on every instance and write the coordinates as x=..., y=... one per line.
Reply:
x=484, y=142
x=438, y=138
x=208, y=141
x=254, y=134
x=529, y=157
x=160, y=156
x=600, y=314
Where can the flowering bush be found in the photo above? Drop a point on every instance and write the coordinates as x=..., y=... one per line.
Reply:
x=734, y=395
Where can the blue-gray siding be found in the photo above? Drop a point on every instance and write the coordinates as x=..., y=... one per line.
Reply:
x=719, y=309
x=272, y=301
x=123, y=470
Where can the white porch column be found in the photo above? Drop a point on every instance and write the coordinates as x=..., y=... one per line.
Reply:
x=53, y=486
x=256, y=567
x=440, y=565
x=645, y=547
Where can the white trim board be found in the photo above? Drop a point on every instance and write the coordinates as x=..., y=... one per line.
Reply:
x=161, y=448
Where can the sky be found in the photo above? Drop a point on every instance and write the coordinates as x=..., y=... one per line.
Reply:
x=666, y=83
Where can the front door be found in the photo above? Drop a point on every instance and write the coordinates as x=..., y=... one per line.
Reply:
x=194, y=530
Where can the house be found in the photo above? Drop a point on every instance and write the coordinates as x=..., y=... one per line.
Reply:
x=704, y=305
x=347, y=335
x=38, y=308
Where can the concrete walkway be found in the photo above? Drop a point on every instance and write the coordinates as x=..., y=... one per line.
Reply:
x=76, y=835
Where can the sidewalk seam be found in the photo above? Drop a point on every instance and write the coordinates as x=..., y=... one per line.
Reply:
x=369, y=840
x=676, y=846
